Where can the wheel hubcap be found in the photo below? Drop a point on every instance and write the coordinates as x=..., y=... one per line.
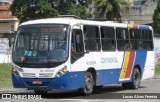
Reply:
x=137, y=79
x=88, y=84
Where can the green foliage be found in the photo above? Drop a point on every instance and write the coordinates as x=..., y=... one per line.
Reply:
x=5, y=75
x=35, y=9
x=29, y=10
x=156, y=18
x=157, y=70
x=111, y=9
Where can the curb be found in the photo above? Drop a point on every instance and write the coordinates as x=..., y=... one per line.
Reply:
x=157, y=77
x=11, y=89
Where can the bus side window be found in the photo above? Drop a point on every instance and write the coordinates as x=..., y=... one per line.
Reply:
x=147, y=40
x=135, y=38
x=92, y=39
x=108, y=38
x=122, y=39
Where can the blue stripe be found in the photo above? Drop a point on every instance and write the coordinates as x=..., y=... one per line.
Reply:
x=141, y=59
x=144, y=27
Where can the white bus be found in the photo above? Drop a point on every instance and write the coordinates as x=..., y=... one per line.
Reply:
x=69, y=53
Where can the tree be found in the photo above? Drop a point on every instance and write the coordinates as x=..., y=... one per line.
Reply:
x=31, y=9
x=34, y=9
x=156, y=18
x=72, y=7
x=111, y=9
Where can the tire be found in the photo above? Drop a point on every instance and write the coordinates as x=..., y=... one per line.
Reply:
x=88, y=86
x=39, y=92
x=136, y=79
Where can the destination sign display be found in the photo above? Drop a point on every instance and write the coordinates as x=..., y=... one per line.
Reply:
x=51, y=30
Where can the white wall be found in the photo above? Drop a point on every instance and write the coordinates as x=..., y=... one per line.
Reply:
x=5, y=56
x=157, y=49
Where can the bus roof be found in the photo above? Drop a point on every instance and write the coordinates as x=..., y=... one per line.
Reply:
x=73, y=21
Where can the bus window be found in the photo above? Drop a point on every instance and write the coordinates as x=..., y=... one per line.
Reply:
x=77, y=41
x=122, y=39
x=108, y=38
x=77, y=46
x=147, y=40
x=135, y=38
x=91, y=34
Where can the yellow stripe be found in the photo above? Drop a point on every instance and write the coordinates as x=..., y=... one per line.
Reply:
x=125, y=64
x=130, y=26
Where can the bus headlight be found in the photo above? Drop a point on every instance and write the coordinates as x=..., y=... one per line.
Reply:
x=15, y=70
x=61, y=72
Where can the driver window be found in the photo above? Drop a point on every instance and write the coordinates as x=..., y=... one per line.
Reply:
x=77, y=41
x=77, y=46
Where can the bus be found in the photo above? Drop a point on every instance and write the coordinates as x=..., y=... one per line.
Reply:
x=69, y=53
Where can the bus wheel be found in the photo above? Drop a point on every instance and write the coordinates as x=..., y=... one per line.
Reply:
x=88, y=87
x=40, y=92
x=136, y=79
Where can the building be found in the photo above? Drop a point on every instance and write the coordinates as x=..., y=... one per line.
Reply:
x=8, y=26
x=8, y=23
x=139, y=12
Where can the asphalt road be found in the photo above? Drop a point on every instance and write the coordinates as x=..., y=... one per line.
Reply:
x=148, y=92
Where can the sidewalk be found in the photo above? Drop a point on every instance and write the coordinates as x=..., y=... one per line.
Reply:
x=157, y=77
x=12, y=90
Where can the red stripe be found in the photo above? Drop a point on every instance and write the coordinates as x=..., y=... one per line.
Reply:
x=130, y=64
x=135, y=26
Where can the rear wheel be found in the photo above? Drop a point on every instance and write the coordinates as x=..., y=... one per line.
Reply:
x=136, y=79
x=88, y=87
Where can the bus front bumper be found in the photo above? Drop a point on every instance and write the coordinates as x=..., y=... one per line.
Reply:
x=63, y=82
x=47, y=83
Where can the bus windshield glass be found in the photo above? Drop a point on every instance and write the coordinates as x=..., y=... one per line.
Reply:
x=41, y=44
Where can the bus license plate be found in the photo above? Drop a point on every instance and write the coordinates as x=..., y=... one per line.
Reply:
x=36, y=82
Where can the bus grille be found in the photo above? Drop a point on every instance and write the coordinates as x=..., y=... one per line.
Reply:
x=34, y=75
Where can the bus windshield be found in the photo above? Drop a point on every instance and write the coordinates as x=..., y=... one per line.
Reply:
x=41, y=44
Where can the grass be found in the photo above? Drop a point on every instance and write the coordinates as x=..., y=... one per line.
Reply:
x=5, y=76
x=157, y=70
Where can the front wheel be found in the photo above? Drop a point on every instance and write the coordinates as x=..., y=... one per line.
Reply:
x=88, y=87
